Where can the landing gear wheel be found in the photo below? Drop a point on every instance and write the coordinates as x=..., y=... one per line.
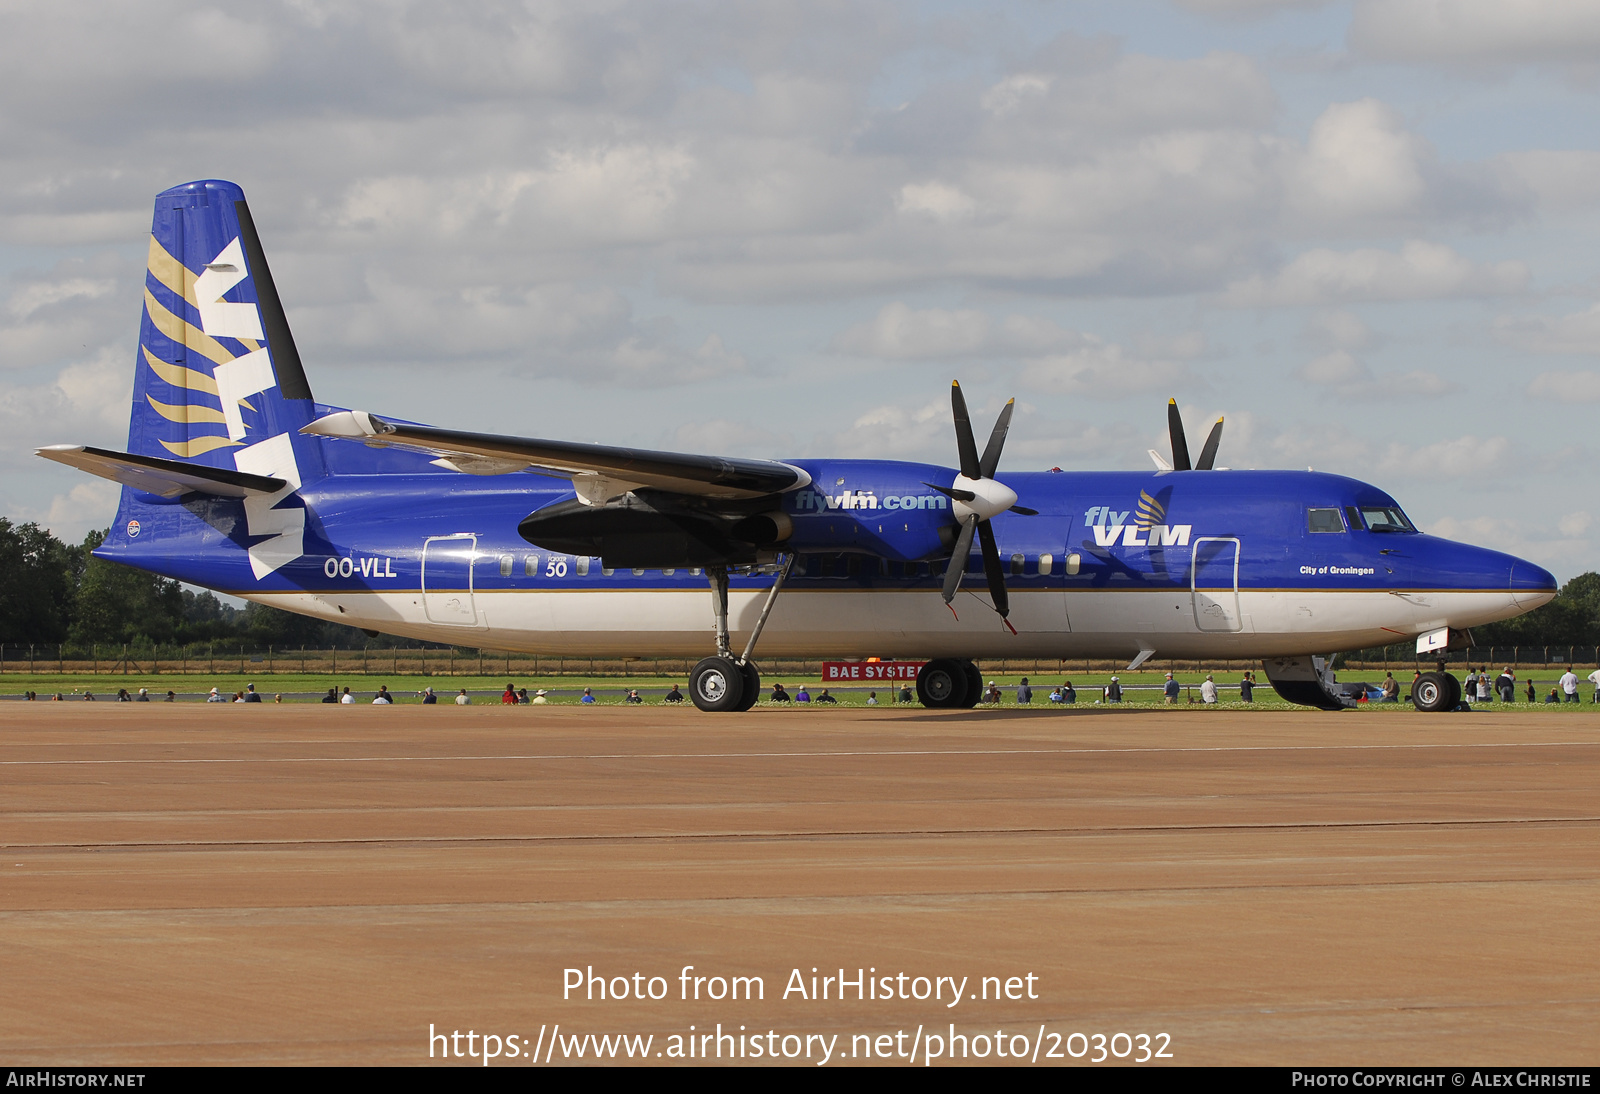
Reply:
x=717, y=684
x=1432, y=692
x=942, y=684
x=1455, y=690
x=974, y=685
x=752, y=685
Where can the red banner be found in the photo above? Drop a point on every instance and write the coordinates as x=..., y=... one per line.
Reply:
x=873, y=671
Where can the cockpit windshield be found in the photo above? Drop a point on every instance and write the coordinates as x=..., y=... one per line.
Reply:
x=1386, y=518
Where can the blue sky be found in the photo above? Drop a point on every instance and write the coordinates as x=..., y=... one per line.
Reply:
x=1362, y=231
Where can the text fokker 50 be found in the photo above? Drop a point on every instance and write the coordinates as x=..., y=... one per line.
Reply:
x=237, y=479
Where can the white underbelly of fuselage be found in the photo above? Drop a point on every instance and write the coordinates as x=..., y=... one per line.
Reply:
x=915, y=623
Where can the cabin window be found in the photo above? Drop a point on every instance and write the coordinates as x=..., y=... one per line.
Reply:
x=1017, y=563
x=530, y=566
x=1073, y=563
x=852, y=565
x=638, y=571
x=583, y=565
x=505, y=565
x=1324, y=520
x=669, y=573
x=1045, y=562
x=606, y=571
x=694, y=571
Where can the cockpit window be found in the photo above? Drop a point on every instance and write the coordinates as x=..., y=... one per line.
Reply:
x=1324, y=520
x=1386, y=518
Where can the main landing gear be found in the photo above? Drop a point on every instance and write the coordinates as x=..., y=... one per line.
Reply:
x=724, y=682
x=948, y=684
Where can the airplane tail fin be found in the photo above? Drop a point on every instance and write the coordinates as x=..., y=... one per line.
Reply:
x=219, y=381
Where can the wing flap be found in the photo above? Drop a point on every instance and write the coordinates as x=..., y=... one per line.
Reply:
x=598, y=469
x=166, y=478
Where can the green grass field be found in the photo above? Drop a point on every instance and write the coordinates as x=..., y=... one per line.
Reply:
x=1141, y=689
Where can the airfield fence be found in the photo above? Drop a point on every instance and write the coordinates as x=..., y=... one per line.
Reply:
x=234, y=659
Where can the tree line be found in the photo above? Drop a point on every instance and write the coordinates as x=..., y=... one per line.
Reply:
x=58, y=593
x=53, y=592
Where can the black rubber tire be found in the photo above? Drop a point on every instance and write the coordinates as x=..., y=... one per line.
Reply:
x=1455, y=690
x=717, y=685
x=1432, y=692
x=974, y=685
x=942, y=684
x=752, y=685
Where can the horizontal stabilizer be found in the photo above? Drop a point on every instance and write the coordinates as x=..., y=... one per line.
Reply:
x=167, y=478
x=598, y=471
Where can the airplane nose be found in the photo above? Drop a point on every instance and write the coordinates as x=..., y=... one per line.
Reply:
x=1531, y=586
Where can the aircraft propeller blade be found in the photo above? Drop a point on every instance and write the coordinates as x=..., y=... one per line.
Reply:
x=1208, y=454
x=958, y=558
x=997, y=440
x=953, y=493
x=1024, y=510
x=992, y=570
x=1180, y=444
x=966, y=447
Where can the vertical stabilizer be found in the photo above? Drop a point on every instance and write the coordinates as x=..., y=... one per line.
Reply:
x=217, y=369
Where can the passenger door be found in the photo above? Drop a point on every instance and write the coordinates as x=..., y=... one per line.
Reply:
x=447, y=579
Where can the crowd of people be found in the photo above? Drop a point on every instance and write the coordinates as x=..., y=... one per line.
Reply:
x=1477, y=686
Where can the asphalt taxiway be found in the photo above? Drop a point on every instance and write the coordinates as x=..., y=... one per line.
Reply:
x=308, y=884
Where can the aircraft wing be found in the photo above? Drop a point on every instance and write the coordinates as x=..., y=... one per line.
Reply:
x=598, y=472
x=154, y=475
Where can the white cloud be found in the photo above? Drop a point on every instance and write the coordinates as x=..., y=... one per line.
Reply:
x=722, y=437
x=87, y=403
x=1561, y=179
x=896, y=431
x=900, y=332
x=1244, y=9
x=1419, y=271
x=1337, y=369
x=1582, y=386
x=1477, y=31
x=1105, y=372
x=1575, y=333
x=1343, y=329
x=1360, y=161
x=936, y=200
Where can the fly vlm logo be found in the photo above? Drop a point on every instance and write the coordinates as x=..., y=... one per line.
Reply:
x=1111, y=527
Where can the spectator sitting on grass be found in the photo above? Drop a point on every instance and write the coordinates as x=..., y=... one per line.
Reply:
x=332, y=696
x=778, y=694
x=825, y=697
x=1068, y=694
x=905, y=694
x=802, y=696
x=509, y=696
x=1553, y=697
x=587, y=698
x=383, y=698
x=674, y=696
x=539, y=697
x=463, y=699
x=346, y=699
x=872, y=698
x=633, y=697
x=215, y=697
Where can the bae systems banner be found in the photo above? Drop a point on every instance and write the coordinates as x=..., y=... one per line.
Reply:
x=870, y=670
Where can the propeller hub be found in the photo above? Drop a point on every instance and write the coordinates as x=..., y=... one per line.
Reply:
x=990, y=498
